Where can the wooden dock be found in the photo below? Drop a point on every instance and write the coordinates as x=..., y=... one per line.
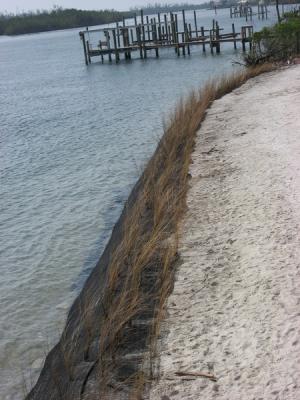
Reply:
x=244, y=10
x=154, y=34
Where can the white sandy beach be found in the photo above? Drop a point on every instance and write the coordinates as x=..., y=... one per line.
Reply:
x=235, y=308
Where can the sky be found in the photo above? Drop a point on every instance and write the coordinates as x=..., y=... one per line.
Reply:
x=17, y=6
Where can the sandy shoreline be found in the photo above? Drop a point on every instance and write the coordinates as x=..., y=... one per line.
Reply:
x=235, y=309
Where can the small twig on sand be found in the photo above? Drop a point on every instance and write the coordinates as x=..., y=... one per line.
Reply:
x=210, y=150
x=202, y=374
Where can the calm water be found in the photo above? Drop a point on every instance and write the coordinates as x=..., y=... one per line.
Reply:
x=73, y=142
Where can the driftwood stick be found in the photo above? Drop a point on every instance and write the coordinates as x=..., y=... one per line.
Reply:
x=202, y=374
x=213, y=149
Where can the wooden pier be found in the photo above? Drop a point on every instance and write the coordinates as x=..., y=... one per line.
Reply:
x=154, y=34
x=244, y=10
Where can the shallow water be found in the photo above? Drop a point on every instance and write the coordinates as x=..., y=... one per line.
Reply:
x=73, y=142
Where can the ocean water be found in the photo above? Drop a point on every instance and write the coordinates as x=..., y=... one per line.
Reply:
x=73, y=141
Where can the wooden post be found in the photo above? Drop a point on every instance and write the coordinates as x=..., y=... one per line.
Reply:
x=184, y=27
x=188, y=46
x=126, y=43
x=243, y=38
x=212, y=37
x=195, y=22
x=166, y=27
x=185, y=30
x=118, y=34
x=211, y=41
x=88, y=51
x=173, y=32
x=189, y=36
x=117, y=58
x=142, y=17
x=169, y=34
x=131, y=36
x=139, y=40
x=183, y=19
x=148, y=28
x=101, y=55
x=183, y=45
x=217, y=38
x=124, y=40
x=106, y=33
x=81, y=34
x=176, y=34
x=143, y=34
x=151, y=30
x=154, y=30
x=176, y=29
x=190, y=33
x=203, y=38
x=233, y=34
x=137, y=34
x=159, y=34
x=250, y=36
x=176, y=22
x=159, y=27
x=172, y=37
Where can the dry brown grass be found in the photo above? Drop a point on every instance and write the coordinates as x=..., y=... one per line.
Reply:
x=141, y=272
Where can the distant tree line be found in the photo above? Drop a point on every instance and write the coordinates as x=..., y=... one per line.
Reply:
x=173, y=7
x=164, y=7
x=57, y=18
